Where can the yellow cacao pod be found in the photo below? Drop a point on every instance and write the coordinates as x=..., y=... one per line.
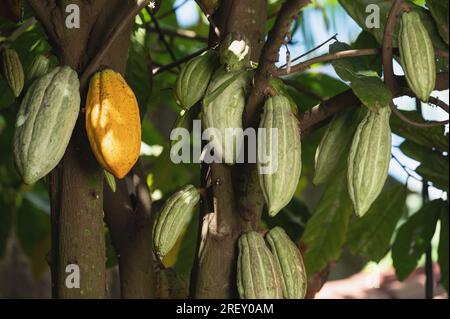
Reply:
x=113, y=123
x=417, y=55
x=368, y=160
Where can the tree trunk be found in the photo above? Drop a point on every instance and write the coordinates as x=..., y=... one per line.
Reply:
x=76, y=186
x=231, y=213
x=128, y=218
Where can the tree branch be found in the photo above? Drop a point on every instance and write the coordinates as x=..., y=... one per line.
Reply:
x=184, y=34
x=388, y=66
x=269, y=56
x=162, y=38
x=327, y=57
x=164, y=68
x=413, y=123
x=18, y=32
x=320, y=114
x=95, y=62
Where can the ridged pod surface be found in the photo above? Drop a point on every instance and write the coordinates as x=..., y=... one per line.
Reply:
x=368, y=160
x=45, y=122
x=194, y=78
x=279, y=171
x=38, y=67
x=290, y=261
x=258, y=275
x=13, y=71
x=235, y=52
x=113, y=123
x=174, y=216
x=223, y=107
x=417, y=55
x=335, y=143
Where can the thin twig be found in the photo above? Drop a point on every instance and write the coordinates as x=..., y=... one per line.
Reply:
x=388, y=66
x=162, y=38
x=327, y=57
x=208, y=12
x=334, y=37
x=413, y=123
x=405, y=169
x=436, y=101
x=160, y=70
x=95, y=62
x=18, y=32
x=173, y=10
x=269, y=56
x=304, y=90
x=184, y=34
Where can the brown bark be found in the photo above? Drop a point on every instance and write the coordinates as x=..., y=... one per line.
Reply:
x=128, y=218
x=76, y=186
x=222, y=224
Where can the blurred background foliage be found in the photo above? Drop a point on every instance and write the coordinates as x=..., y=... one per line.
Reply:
x=319, y=217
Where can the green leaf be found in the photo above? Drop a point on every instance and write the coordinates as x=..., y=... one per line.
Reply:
x=434, y=165
x=357, y=10
x=439, y=11
x=137, y=74
x=431, y=138
x=372, y=92
x=365, y=83
x=293, y=218
x=439, y=178
x=413, y=238
x=370, y=236
x=325, y=231
x=366, y=40
x=110, y=180
x=6, y=221
x=33, y=230
x=443, y=248
x=188, y=249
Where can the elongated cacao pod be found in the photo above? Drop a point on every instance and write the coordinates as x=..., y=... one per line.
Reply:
x=113, y=123
x=45, y=122
x=417, y=55
x=38, y=67
x=279, y=172
x=235, y=52
x=258, y=275
x=194, y=78
x=290, y=262
x=368, y=160
x=13, y=71
x=223, y=107
x=174, y=216
x=336, y=143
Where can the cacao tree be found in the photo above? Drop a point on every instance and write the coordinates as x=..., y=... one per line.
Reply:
x=222, y=149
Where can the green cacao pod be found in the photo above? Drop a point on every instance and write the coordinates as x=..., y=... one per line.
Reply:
x=368, y=160
x=279, y=172
x=194, y=78
x=45, y=122
x=174, y=216
x=235, y=52
x=278, y=86
x=258, y=275
x=417, y=55
x=38, y=67
x=290, y=262
x=336, y=143
x=223, y=107
x=13, y=71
